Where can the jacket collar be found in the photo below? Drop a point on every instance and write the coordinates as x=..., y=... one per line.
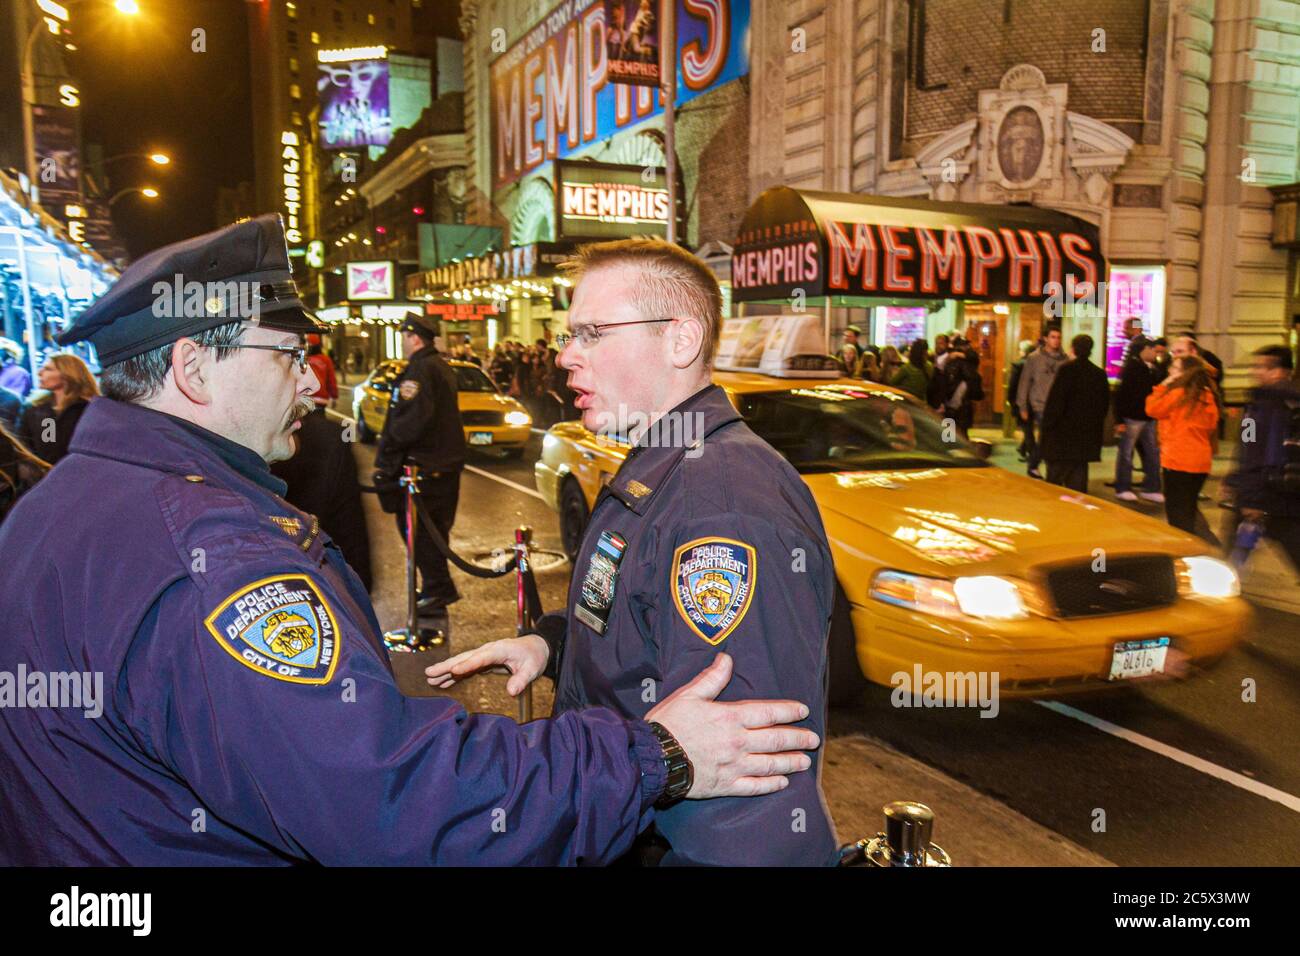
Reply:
x=142, y=436
x=666, y=442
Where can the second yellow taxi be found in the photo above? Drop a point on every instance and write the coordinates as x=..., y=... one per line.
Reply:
x=490, y=419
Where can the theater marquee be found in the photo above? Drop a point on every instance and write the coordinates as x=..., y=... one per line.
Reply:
x=885, y=247
x=604, y=201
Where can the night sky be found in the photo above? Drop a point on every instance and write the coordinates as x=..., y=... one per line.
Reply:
x=144, y=89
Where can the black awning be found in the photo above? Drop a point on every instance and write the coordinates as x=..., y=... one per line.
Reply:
x=845, y=244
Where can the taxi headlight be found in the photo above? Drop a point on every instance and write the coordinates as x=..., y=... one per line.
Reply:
x=928, y=595
x=983, y=596
x=1204, y=576
x=518, y=418
x=990, y=597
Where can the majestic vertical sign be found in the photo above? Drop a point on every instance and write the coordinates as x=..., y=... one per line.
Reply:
x=291, y=180
x=632, y=38
x=352, y=87
x=554, y=92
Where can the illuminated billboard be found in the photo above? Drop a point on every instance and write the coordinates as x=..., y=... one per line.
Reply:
x=370, y=280
x=553, y=94
x=352, y=87
x=604, y=201
x=632, y=41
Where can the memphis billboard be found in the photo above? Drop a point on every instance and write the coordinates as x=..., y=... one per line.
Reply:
x=552, y=94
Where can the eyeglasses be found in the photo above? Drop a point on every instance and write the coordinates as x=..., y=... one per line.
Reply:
x=299, y=352
x=589, y=335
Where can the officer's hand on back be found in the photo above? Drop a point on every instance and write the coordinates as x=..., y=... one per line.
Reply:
x=524, y=656
x=737, y=749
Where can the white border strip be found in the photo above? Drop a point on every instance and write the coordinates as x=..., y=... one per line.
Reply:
x=506, y=481
x=1287, y=800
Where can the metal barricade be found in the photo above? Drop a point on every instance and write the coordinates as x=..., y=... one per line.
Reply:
x=413, y=637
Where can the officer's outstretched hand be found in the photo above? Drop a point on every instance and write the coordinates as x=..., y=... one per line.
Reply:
x=737, y=749
x=525, y=657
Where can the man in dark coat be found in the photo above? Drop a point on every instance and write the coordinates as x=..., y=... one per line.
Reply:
x=1074, y=418
x=322, y=480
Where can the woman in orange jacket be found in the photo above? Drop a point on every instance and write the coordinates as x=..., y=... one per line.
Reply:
x=1187, y=414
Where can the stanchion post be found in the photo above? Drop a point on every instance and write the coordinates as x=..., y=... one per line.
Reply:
x=525, y=623
x=410, y=482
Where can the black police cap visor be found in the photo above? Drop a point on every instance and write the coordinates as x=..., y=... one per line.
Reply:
x=238, y=273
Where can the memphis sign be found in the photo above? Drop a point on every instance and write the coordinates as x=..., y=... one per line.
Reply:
x=604, y=201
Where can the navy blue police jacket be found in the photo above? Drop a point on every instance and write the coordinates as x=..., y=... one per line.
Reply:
x=249, y=712
x=706, y=540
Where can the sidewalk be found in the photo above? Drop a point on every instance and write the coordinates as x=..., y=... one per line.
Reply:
x=861, y=774
x=1268, y=578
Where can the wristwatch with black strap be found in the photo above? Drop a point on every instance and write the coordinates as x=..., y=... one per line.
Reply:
x=680, y=773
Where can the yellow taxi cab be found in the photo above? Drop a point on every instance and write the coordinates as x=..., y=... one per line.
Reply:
x=948, y=565
x=490, y=419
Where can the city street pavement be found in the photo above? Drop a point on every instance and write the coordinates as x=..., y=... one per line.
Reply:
x=1156, y=774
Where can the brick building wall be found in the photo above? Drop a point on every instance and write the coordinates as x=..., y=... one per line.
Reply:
x=969, y=44
x=713, y=144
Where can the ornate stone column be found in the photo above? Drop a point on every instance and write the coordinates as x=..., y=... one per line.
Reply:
x=1253, y=143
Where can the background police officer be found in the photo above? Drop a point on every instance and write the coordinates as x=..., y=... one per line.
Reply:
x=423, y=428
x=249, y=713
x=705, y=539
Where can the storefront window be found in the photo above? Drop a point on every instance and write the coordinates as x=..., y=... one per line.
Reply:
x=899, y=326
x=1133, y=290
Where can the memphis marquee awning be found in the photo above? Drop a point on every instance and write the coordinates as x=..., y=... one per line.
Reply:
x=796, y=242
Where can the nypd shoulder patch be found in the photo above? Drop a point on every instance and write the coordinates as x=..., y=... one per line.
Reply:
x=713, y=585
x=281, y=627
x=409, y=389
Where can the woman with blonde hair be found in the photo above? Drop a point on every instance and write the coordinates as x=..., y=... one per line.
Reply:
x=1187, y=414
x=849, y=360
x=50, y=419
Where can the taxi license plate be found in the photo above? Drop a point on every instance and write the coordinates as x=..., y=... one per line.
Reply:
x=1139, y=658
x=480, y=438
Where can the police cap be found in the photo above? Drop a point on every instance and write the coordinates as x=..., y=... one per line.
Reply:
x=239, y=273
x=419, y=324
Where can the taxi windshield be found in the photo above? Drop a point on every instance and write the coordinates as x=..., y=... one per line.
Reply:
x=822, y=428
x=471, y=378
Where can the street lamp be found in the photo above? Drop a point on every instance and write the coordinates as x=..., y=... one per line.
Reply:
x=147, y=191
x=50, y=12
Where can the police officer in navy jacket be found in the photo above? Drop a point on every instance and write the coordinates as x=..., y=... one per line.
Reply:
x=423, y=428
x=203, y=679
x=705, y=540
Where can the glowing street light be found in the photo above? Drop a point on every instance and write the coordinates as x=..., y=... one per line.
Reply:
x=160, y=159
x=129, y=7
x=148, y=192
